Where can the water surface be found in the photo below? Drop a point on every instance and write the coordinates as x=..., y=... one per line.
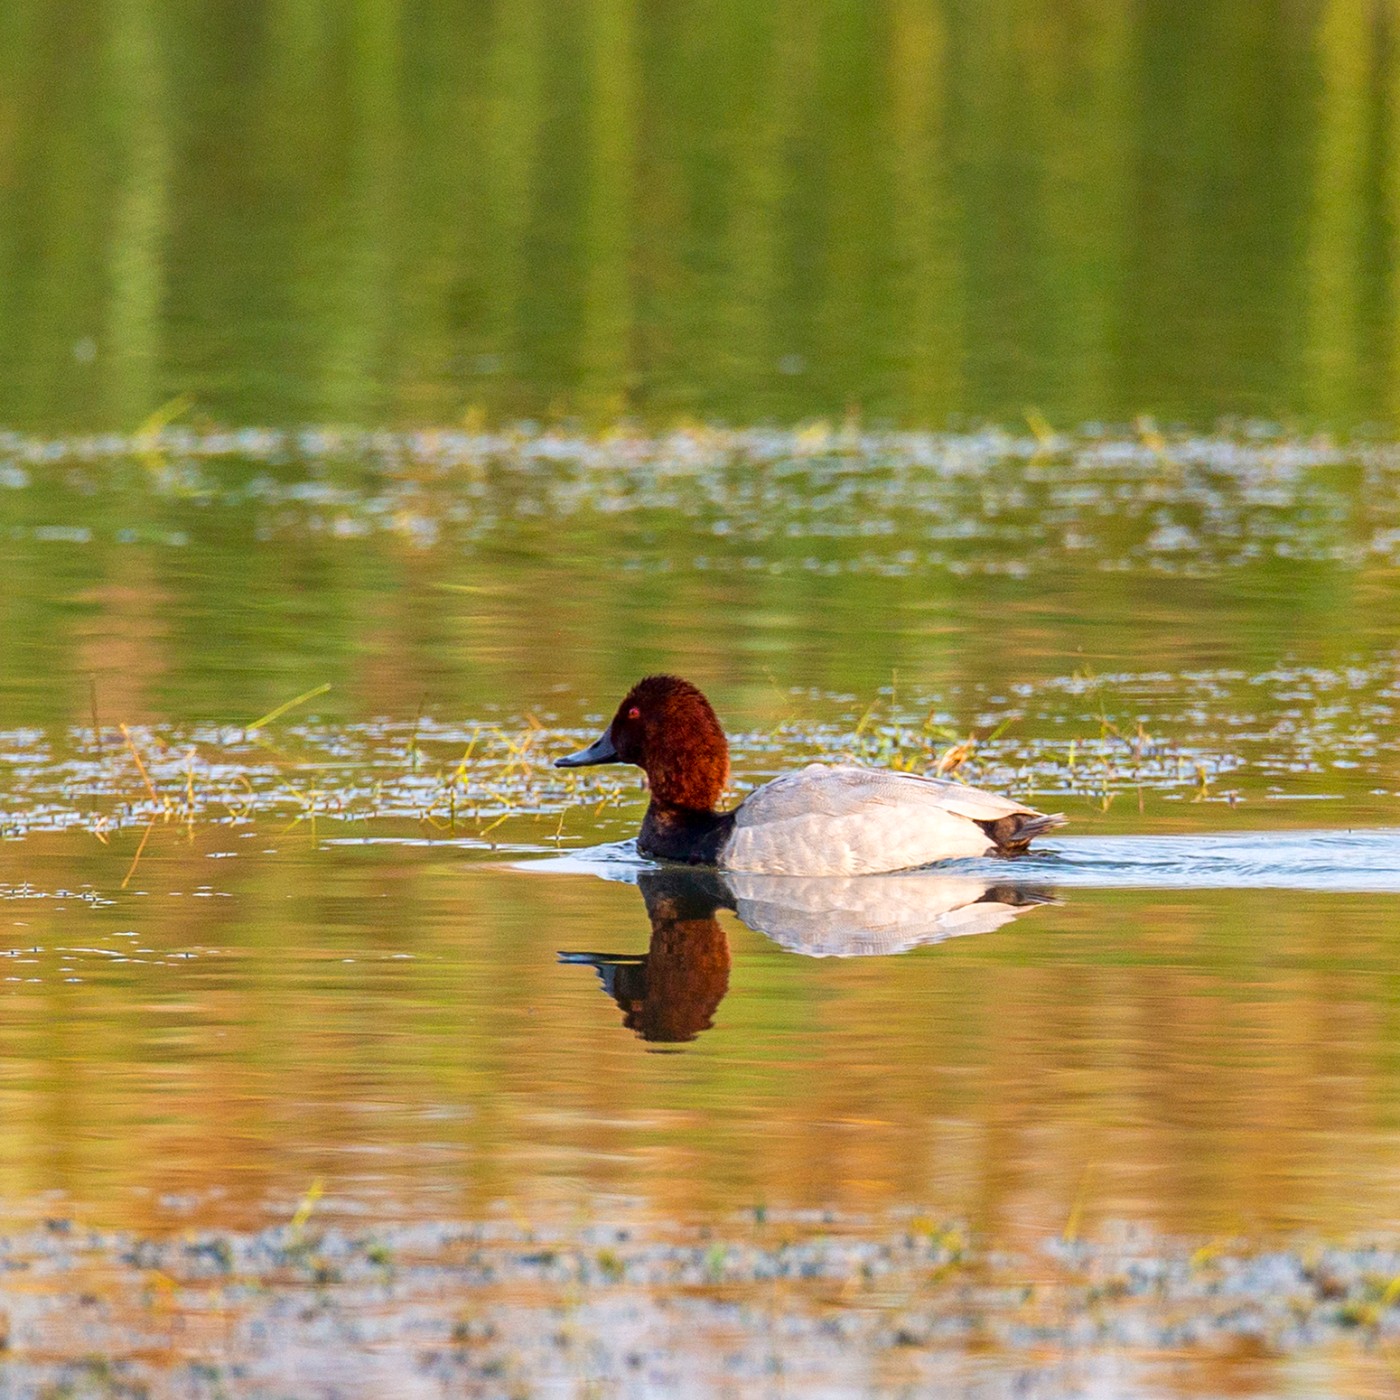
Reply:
x=292, y=214
x=398, y=1024
x=383, y=392
x=252, y=949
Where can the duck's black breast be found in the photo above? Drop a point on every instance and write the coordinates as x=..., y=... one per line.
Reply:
x=685, y=835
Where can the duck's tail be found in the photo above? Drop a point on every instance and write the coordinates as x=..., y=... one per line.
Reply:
x=1014, y=833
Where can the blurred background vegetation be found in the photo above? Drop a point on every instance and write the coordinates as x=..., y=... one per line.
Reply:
x=928, y=210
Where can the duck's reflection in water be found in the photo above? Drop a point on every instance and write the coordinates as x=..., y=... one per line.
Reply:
x=670, y=993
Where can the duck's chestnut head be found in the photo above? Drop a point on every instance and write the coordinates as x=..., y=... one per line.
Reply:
x=665, y=726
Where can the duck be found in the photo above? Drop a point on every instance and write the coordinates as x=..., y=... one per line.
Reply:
x=823, y=820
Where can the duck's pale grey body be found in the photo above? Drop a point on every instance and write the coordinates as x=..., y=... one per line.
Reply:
x=845, y=820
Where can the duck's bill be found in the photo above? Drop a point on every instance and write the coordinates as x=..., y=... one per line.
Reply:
x=599, y=751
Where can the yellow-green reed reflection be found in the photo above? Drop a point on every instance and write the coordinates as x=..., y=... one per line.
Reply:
x=922, y=209
x=134, y=327
x=397, y=1024
x=189, y=576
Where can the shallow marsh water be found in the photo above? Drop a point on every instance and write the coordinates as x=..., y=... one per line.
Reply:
x=257, y=956
x=398, y=1024
x=365, y=386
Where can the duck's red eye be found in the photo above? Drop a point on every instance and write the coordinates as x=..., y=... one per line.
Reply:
x=634, y=713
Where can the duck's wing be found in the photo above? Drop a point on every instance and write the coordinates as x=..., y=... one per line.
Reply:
x=845, y=790
x=874, y=914
x=862, y=821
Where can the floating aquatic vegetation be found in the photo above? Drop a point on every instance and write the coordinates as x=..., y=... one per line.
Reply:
x=460, y=1305
x=1081, y=741
x=863, y=501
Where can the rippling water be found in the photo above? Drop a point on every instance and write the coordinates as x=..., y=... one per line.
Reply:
x=211, y=1039
x=382, y=393
x=293, y=892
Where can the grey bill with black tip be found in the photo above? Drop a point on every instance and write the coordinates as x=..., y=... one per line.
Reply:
x=599, y=751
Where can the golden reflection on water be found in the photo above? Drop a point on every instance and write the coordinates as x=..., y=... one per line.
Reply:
x=395, y=1022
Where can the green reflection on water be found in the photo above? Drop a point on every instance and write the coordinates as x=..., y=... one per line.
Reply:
x=476, y=577
x=923, y=210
